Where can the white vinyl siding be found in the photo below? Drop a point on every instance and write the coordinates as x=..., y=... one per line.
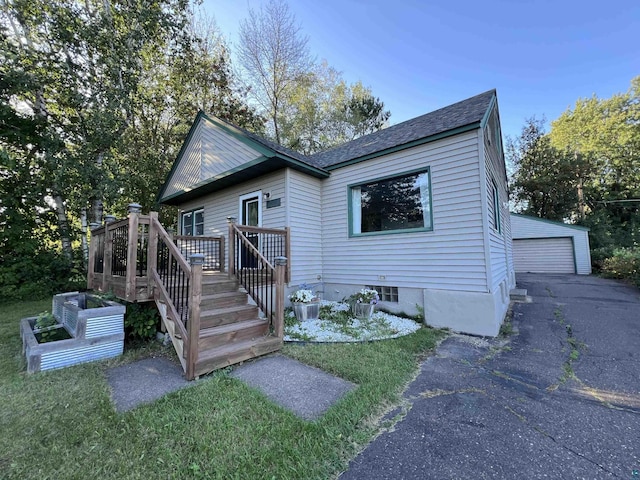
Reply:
x=449, y=257
x=225, y=203
x=210, y=152
x=305, y=222
x=497, y=194
x=530, y=228
x=544, y=255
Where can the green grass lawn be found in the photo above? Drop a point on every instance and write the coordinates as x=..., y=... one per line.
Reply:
x=61, y=424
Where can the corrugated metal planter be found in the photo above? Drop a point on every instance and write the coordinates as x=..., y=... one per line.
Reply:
x=95, y=325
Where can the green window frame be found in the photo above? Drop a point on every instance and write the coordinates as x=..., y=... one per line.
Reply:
x=192, y=223
x=497, y=221
x=399, y=203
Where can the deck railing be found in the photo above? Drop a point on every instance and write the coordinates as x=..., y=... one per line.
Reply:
x=137, y=260
x=263, y=280
x=211, y=247
x=118, y=256
x=178, y=286
x=270, y=243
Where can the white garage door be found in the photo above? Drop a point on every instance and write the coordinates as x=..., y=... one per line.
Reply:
x=544, y=255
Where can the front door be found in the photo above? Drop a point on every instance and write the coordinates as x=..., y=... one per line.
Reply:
x=250, y=215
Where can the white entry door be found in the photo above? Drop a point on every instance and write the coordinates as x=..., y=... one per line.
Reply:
x=251, y=215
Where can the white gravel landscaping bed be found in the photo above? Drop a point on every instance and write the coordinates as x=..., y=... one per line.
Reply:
x=339, y=328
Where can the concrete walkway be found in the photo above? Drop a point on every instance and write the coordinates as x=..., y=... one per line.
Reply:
x=306, y=391
x=560, y=400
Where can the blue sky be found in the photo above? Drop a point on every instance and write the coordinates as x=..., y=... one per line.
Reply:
x=416, y=56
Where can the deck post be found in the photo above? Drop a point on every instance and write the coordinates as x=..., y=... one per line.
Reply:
x=287, y=252
x=278, y=321
x=108, y=253
x=222, y=251
x=132, y=252
x=152, y=253
x=91, y=265
x=193, y=325
x=232, y=246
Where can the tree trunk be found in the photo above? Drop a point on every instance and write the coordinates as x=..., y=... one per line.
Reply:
x=85, y=243
x=63, y=225
x=97, y=206
x=581, y=209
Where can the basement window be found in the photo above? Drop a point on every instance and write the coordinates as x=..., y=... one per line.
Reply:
x=387, y=294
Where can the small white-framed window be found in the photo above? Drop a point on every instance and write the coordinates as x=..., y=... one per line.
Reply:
x=192, y=223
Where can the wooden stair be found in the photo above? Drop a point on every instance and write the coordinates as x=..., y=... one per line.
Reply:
x=231, y=330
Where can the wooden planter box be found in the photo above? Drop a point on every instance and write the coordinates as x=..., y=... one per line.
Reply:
x=97, y=333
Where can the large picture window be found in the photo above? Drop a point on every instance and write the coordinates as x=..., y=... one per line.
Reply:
x=193, y=223
x=391, y=205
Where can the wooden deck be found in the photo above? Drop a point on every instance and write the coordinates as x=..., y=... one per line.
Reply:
x=214, y=318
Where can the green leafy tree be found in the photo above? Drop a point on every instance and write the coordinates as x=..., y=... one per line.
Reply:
x=173, y=90
x=83, y=64
x=544, y=181
x=603, y=137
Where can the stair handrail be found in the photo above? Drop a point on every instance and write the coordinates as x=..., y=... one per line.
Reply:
x=193, y=271
x=274, y=309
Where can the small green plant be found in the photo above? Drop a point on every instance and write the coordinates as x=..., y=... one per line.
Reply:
x=47, y=329
x=45, y=320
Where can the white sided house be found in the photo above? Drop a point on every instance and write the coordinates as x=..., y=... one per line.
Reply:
x=545, y=246
x=418, y=211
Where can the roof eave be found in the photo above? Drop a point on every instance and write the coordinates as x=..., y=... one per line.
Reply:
x=260, y=166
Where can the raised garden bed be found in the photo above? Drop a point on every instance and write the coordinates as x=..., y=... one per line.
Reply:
x=94, y=329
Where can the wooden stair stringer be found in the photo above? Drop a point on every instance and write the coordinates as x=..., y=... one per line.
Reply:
x=170, y=326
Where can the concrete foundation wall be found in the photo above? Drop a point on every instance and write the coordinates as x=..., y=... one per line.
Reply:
x=467, y=312
x=410, y=300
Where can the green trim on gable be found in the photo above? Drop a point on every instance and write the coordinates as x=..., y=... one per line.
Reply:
x=405, y=146
x=487, y=114
x=266, y=154
x=220, y=176
x=240, y=136
x=176, y=162
x=553, y=222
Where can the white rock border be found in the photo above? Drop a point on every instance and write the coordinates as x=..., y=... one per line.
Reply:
x=323, y=331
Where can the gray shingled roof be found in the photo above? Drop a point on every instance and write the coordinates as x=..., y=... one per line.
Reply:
x=459, y=114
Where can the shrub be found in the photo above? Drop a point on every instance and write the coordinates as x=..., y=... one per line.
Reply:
x=623, y=264
x=141, y=321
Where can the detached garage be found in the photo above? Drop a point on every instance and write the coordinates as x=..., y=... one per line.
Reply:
x=544, y=246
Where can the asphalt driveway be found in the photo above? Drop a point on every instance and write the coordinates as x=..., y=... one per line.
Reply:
x=559, y=399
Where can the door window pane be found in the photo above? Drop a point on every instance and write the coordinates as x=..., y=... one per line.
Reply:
x=187, y=223
x=251, y=212
x=198, y=222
